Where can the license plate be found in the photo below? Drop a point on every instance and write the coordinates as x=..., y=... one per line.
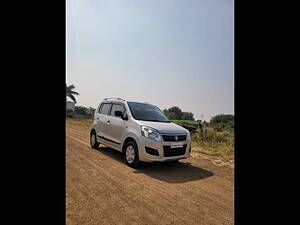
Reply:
x=177, y=145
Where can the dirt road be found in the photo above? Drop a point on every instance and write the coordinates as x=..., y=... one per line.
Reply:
x=102, y=189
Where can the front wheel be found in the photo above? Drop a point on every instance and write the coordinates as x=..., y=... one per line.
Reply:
x=131, y=154
x=93, y=140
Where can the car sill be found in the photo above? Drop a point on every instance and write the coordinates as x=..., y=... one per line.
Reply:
x=109, y=140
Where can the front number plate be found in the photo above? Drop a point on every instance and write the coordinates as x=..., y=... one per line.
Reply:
x=177, y=145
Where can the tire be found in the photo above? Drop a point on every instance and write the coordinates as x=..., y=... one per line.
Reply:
x=131, y=159
x=93, y=142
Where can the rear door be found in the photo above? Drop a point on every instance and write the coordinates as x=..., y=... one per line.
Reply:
x=102, y=118
x=116, y=127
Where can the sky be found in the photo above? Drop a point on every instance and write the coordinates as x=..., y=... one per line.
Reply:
x=164, y=52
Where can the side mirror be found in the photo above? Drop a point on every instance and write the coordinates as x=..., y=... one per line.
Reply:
x=119, y=114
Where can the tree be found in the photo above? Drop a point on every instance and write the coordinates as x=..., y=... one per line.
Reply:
x=70, y=93
x=177, y=112
x=187, y=116
x=222, y=118
x=170, y=115
x=80, y=110
x=69, y=113
x=92, y=110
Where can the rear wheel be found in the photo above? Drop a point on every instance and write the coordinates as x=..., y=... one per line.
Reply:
x=131, y=154
x=93, y=140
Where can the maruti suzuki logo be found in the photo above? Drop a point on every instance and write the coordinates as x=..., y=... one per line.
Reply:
x=176, y=138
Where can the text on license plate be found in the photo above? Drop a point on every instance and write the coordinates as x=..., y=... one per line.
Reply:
x=177, y=145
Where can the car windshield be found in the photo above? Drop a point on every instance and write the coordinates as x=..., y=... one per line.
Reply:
x=147, y=112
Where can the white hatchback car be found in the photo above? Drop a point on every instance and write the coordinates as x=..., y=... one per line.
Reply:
x=140, y=131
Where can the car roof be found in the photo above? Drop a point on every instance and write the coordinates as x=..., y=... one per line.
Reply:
x=120, y=100
x=113, y=100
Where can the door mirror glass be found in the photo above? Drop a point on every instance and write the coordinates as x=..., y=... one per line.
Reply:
x=119, y=114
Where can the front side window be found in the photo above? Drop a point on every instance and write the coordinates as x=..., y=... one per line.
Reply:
x=117, y=107
x=105, y=108
x=147, y=112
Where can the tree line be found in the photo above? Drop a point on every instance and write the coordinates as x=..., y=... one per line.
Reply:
x=173, y=113
x=222, y=118
x=81, y=112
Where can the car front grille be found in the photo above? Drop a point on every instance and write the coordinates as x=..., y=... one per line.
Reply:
x=172, y=138
x=168, y=151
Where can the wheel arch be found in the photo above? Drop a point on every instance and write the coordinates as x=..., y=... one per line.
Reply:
x=128, y=139
x=93, y=130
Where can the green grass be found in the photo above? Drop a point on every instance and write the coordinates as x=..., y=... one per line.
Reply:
x=186, y=122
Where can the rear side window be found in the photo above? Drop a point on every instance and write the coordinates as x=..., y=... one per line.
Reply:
x=117, y=107
x=105, y=108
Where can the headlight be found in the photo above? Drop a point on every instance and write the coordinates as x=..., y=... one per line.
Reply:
x=188, y=136
x=150, y=133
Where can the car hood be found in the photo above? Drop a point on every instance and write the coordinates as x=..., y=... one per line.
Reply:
x=164, y=127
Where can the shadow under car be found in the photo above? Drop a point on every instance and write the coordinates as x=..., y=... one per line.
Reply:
x=171, y=172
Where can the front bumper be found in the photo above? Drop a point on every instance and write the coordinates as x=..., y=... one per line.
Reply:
x=146, y=157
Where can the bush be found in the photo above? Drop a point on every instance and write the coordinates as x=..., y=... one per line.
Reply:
x=215, y=142
x=229, y=126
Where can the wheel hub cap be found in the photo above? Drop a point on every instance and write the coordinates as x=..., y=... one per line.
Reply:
x=93, y=139
x=130, y=154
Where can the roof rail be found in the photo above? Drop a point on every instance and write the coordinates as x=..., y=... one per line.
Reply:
x=114, y=98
